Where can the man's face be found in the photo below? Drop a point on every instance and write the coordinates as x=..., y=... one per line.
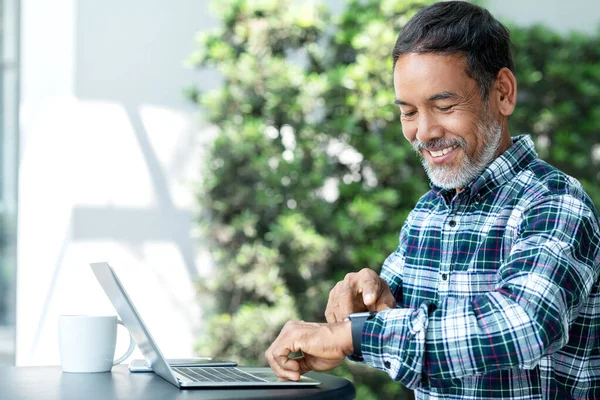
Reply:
x=444, y=117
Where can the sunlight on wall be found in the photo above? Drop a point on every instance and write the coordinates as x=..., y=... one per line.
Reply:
x=90, y=195
x=110, y=152
x=172, y=150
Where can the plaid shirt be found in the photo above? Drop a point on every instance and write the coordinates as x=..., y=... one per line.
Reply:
x=497, y=289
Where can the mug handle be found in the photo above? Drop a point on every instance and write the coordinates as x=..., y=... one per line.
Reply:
x=129, y=350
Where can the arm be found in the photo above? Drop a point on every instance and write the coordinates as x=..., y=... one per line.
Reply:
x=540, y=288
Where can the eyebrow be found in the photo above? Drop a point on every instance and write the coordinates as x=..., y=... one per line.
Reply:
x=438, y=96
x=442, y=96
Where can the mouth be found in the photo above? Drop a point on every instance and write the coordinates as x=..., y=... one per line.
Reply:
x=442, y=152
x=442, y=156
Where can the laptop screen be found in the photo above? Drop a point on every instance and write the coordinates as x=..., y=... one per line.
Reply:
x=133, y=321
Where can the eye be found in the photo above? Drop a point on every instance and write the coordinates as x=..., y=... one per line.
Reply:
x=444, y=109
x=408, y=114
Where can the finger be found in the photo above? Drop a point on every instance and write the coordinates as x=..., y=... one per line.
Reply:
x=292, y=369
x=278, y=358
x=303, y=365
x=370, y=291
x=329, y=313
x=369, y=285
x=285, y=344
x=345, y=302
x=341, y=302
x=284, y=367
x=385, y=301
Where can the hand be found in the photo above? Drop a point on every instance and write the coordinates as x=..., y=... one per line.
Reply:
x=360, y=291
x=323, y=347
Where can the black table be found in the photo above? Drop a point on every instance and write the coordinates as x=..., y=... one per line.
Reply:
x=50, y=383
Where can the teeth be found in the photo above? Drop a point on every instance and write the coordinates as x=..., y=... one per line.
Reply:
x=442, y=152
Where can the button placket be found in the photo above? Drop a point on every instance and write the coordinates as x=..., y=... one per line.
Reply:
x=448, y=233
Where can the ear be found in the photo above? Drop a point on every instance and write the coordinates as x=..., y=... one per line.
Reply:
x=505, y=91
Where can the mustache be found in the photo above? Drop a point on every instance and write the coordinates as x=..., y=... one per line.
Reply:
x=436, y=144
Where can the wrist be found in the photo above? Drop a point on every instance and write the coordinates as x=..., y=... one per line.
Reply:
x=343, y=333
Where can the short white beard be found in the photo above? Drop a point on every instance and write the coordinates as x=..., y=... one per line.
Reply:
x=449, y=178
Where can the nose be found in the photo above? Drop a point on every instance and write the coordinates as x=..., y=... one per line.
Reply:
x=428, y=128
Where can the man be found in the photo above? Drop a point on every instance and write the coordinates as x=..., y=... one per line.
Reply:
x=493, y=291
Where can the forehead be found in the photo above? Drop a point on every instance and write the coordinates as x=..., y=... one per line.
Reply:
x=420, y=76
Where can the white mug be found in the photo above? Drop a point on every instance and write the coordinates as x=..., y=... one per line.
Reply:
x=87, y=343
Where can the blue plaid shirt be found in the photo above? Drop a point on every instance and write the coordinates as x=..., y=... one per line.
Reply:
x=497, y=289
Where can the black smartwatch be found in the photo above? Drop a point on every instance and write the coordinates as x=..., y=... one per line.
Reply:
x=357, y=320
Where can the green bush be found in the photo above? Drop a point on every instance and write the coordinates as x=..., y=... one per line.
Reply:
x=310, y=176
x=559, y=98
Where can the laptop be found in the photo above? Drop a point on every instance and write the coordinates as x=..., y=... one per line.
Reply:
x=181, y=376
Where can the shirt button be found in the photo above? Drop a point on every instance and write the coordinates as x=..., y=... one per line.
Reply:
x=387, y=364
x=452, y=223
x=444, y=277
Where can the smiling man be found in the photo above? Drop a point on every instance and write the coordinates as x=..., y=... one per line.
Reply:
x=493, y=291
x=479, y=127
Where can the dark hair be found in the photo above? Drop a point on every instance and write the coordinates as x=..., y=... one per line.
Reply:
x=451, y=27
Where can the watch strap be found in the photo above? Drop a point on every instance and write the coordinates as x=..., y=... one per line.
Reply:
x=357, y=321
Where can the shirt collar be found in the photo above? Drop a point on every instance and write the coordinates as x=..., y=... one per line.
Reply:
x=501, y=170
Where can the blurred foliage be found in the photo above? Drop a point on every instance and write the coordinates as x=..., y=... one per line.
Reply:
x=558, y=100
x=310, y=177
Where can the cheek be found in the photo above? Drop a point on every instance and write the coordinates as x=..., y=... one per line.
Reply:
x=458, y=124
x=463, y=127
x=409, y=131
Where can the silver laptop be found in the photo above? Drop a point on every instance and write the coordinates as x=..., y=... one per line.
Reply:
x=182, y=377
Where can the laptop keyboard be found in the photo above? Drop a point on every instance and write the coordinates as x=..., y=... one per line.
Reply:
x=216, y=374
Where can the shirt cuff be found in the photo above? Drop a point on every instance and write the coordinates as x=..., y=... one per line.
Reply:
x=394, y=341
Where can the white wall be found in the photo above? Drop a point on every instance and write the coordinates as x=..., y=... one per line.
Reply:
x=110, y=153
